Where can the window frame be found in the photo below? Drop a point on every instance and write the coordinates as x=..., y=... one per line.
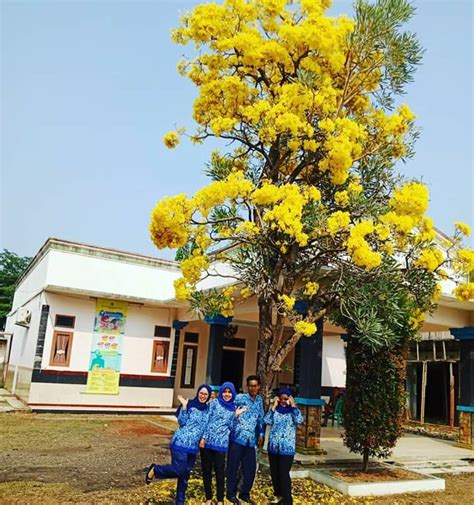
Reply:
x=167, y=344
x=194, y=348
x=61, y=325
x=157, y=336
x=68, y=351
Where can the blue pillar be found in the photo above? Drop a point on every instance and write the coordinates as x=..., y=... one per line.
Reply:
x=217, y=327
x=308, y=371
x=465, y=336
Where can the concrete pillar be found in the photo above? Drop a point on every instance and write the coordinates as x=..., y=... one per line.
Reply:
x=465, y=406
x=217, y=327
x=177, y=326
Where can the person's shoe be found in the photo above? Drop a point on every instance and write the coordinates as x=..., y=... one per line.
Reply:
x=150, y=474
x=276, y=500
x=233, y=499
x=247, y=499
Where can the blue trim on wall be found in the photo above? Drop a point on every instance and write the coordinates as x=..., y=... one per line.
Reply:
x=466, y=333
x=310, y=401
x=218, y=319
x=179, y=325
x=464, y=408
x=215, y=388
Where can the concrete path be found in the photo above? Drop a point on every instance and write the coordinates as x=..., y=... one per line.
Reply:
x=9, y=402
x=415, y=452
x=410, y=448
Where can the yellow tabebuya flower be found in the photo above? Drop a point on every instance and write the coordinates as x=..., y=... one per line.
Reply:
x=171, y=139
x=462, y=228
x=465, y=292
x=287, y=301
x=429, y=259
x=305, y=328
x=311, y=288
x=464, y=260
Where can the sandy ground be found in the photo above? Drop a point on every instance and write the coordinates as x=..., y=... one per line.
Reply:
x=46, y=458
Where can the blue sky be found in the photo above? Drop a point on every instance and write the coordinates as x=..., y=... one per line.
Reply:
x=89, y=88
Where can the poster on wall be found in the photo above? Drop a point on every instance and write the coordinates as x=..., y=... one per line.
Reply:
x=106, y=353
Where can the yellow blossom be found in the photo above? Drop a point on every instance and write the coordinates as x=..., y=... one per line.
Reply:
x=171, y=140
x=193, y=266
x=246, y=292
x=305, y=328
x=417, y=319
x=465, y=292
x=169, y=226
x=288, y=301
x=337, y=222
x=182, y=290
x=464, y=260
x=463, y=228
x=342, y=198
x=311, y=288
x=430, y=259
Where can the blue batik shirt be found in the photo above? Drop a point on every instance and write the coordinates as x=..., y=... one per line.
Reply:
x=192, y=424
x=218, y=427
x=282, y=438
x=249, y=425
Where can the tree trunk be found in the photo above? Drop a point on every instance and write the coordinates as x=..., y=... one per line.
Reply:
x=365, y=460
x=265, y=336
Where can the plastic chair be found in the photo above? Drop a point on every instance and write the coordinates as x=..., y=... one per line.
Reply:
x=337, y=414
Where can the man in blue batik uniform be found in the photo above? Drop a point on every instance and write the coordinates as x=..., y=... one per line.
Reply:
x=248, y=431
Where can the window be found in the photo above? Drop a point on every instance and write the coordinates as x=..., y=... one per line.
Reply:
x=191, y=338
x=65, y=321
x=162, y=331
x=238, y=343
x=61, y=348
x=160, y=356
x=188, y=367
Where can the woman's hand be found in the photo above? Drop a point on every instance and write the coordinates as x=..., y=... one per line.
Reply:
x=183, y=401
x=292, y=401
x=239, y=411
x=202, y=443
x=275, y=403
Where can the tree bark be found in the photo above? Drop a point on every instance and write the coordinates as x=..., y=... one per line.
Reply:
x=365, y=460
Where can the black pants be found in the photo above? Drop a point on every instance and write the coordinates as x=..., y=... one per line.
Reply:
x=210, y=459
x=244, y=456
x=280, y=467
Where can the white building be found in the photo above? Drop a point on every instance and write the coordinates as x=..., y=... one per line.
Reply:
x=160, y=356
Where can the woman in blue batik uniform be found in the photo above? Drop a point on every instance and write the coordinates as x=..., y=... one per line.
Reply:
x=192, y=419
x=283, y=417
x=215, y=441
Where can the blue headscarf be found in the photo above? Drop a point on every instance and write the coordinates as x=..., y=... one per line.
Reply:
x=230, y=405
x=288, y=409
x=195, y=403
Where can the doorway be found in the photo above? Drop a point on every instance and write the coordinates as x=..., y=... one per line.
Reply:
x=233, y=367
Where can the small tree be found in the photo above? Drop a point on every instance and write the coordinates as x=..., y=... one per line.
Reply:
x=11, y=267
x=306, y=196
x=378, y=314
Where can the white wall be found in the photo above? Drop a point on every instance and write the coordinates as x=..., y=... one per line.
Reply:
x=104, y=275
x=334, y=362
x=24, y=340
x=137, y=341
x=74, y=396
x=32, y=284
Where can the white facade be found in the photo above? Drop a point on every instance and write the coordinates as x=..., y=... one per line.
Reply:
x=67, y=279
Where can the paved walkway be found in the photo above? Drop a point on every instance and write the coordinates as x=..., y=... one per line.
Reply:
x=9, y=403
x=410, y=448
x=429, y=455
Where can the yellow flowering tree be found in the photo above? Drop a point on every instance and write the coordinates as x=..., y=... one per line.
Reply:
x=306, y=195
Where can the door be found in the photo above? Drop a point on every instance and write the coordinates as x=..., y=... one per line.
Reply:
x=233, y=367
